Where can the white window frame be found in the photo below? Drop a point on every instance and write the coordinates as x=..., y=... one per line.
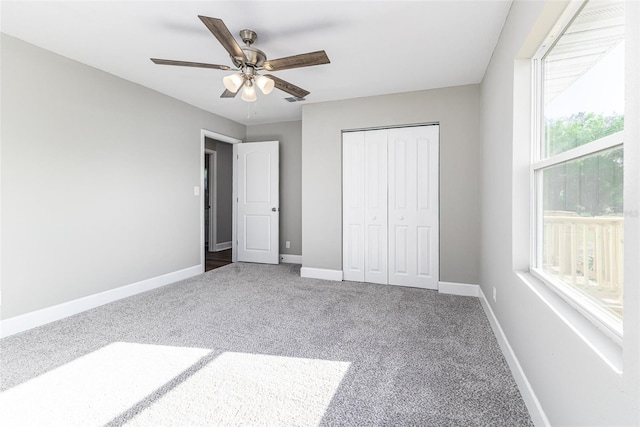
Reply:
x=601, y=318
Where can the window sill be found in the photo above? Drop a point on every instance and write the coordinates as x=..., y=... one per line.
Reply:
x=602, y=345
x=584, y=305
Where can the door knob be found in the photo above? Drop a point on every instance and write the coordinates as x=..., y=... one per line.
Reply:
x=273, y=209
x=373, y=219
x=401, y=218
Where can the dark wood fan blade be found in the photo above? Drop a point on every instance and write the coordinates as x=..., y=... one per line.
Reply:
x=288, y=87
x=228, y=94
x=189, y=64
x=297, y=61
x=222, y=33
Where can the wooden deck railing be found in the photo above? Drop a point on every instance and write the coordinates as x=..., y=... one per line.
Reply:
x=586, y=252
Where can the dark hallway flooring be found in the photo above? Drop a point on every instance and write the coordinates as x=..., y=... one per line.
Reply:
x=216, y=259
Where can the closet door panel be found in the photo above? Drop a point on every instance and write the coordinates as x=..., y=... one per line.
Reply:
x=402, y=191
x=400, y=249
x=375, y=215
x=424, y=252
x=413, y=206
x=353, y=227
x=427, y=140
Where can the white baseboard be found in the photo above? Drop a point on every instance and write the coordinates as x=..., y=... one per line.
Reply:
x=321, y=273
x=291, y=259
x=223, y=246
x=538, y=416
x=462, y=289
x=23, y=322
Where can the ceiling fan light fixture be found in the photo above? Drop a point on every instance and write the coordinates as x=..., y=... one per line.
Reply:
x=265, y=84
x=249, y=92
x=233, y=82
x=248, y=60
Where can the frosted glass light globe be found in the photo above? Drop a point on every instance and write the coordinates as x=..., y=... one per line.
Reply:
x=249, y=93
x=265, y=84
x=233, y=82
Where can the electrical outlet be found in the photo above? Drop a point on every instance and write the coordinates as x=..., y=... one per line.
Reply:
x=287, y=244
x=494, y=294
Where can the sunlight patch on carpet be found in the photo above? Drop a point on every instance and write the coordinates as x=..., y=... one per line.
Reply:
x=97, y=387
x=250, y=389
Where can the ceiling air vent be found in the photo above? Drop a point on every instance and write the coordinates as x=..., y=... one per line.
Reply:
x=294, y=99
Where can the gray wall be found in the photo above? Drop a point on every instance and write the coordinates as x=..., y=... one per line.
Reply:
x=97, y=180
x=290, y=136
x=572, y=383
x=457, y=111
x=224, y=189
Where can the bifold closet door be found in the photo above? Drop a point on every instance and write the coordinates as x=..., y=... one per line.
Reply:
x=365, y=206
x=390, y=206
x=413, y=206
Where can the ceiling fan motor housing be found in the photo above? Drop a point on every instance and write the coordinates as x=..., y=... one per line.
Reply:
x=255, y=57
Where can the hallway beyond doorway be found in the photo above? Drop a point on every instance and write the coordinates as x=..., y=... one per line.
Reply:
x=214, y=260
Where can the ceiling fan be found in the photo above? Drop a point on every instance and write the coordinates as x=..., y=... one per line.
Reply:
x=249, y=61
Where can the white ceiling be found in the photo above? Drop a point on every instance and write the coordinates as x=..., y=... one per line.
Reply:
x=375, y=47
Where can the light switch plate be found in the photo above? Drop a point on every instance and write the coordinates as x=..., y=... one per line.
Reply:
x=196, y=191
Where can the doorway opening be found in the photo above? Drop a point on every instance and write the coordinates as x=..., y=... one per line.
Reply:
x=217, y=208
x=218, y=252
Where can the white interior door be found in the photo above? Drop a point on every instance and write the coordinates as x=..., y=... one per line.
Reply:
x=413, y=206
x=258, y=202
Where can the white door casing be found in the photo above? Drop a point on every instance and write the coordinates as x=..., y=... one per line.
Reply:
x=213, y=200
x=204, y=133
x=258, y=202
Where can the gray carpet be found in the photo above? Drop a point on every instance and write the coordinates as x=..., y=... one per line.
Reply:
x=258, y=345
